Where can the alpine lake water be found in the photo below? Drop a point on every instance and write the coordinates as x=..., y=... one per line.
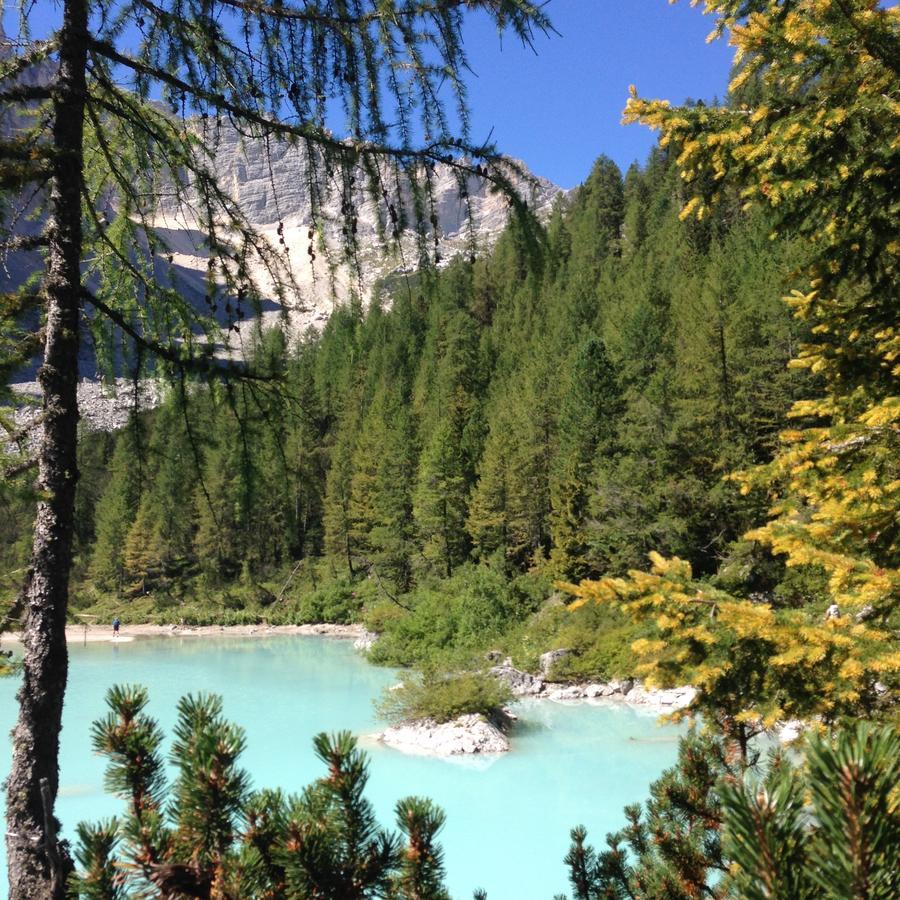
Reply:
x=508, y=816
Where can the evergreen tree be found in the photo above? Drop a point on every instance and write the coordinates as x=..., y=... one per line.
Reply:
x=670, y=849
x=268, y=70
x=510, y=503
x=591, y=404
x=340, y=539
x=219, y=542
x=207, y=834
x=144, y=553
x=117, y=508
x=710, y=829
x=440, y=503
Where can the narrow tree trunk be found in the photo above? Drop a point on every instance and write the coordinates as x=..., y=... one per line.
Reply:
x=37, y=869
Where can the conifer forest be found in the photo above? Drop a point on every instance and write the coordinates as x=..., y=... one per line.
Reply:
x=648, y=433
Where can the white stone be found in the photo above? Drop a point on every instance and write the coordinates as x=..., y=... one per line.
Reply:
x=464, y=735
x=365, y=641
x=549, y=659
x=522, y=684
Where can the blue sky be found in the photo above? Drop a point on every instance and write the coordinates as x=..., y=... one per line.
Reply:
x=559, y=108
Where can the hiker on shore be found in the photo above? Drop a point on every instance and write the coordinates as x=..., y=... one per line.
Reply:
x=116, y=624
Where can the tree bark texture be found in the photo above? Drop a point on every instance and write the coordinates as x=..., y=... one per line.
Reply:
x=37, y=866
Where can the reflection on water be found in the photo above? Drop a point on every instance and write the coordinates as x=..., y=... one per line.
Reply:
x=508, y=817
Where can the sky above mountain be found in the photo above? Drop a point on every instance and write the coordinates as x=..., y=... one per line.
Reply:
x=558, y=106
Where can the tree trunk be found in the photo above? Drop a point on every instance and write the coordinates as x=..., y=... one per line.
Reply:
x=37, y=868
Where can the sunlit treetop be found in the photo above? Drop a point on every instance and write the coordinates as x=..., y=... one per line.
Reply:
x=810, y=132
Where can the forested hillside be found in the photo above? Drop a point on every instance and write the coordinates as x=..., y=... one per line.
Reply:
x=556, y=410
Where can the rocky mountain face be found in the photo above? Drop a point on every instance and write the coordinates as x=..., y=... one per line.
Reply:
x=271, y=182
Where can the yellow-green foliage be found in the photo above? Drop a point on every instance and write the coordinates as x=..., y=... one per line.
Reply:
x=751, y=662
x=810, y=133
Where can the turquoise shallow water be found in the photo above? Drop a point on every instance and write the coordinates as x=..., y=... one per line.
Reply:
x=508, y=817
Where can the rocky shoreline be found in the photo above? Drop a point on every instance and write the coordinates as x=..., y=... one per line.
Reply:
x=95, y=633
x=629, y=690
x=471, y=734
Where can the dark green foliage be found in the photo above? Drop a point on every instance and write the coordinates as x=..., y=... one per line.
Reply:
x=421, y=873
x=334, y=845
x=100, y=878
x=590, y=406
x=463, y=614
x=826, y=826
x=208, y=835
x=845, y=844
x=117, y=507
x=338, y=601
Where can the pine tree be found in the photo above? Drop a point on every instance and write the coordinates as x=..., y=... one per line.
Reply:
x=267, y=69
x=826, y=828
x=670, y=849
x=145, y=560
x=386, y=450
x=207, y=834
x=590, y=406
x=219, y=542
x=510, y=505
x=337, y=518
x=440, y=503
x=117, y=508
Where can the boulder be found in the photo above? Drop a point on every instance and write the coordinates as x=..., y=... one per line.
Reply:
x=549, y=659
x=565, y=692
x=522, y=684
x=464, y=735
x=593, y=691
x=625, y=686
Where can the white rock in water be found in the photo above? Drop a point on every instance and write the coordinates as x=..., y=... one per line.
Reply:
x=365, y=641
x=467, y=734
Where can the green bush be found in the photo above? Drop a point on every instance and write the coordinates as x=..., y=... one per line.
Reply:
x=444, y=696
x=469, y=612
x=599, y=637
x=338, y=602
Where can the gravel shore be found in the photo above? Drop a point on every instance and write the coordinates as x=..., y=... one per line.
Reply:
x=97, y=633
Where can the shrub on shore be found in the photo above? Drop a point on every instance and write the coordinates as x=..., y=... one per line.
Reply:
x=444, y=696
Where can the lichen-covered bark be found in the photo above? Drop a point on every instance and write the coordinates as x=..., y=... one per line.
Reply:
x=37, y=870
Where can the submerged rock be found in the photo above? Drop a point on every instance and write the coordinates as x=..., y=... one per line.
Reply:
x=466, y=734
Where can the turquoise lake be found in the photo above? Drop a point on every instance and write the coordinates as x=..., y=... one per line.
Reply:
x=508, y=817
